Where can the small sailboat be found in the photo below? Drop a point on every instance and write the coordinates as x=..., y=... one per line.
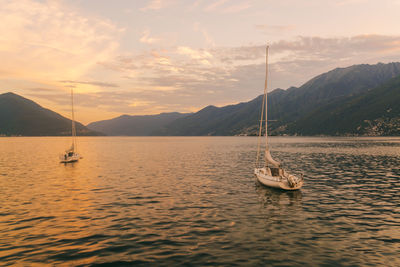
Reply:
x=271, y=173
x=71, y=154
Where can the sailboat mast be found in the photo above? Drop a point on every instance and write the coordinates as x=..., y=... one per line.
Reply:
x=266, y=105
x=73, y=120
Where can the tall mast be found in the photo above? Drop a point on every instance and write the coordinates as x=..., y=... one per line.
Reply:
x=266, y=104
x=73, y=120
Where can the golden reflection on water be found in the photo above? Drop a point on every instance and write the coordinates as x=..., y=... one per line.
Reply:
x=194, y=200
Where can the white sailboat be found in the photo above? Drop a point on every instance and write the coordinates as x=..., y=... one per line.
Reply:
x=271, y=173
x=71, y=154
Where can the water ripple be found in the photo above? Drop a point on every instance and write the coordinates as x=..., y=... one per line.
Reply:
x=194, y=201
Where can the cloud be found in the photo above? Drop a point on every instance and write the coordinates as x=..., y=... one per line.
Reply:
x=201, y=55
x=119, y=101
x=100, y=84
x=156, y=5
x=356, y=48
x=265, y=28
x=176, y=80
x=147, y=39
x=215, y=5
x=194, y=5
x=207, y=37
x=237, y=8
x=40, y=89
x=226, y=6
x=349, y=2
x=186, y=76
x=47, y=41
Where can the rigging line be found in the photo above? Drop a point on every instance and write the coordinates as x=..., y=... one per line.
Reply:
x=262, y=114
x=266, y=98
x=73, y=121
x=260, y=132
x=266, y=105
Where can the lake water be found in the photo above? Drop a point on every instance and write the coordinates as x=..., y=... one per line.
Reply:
x=194, y=201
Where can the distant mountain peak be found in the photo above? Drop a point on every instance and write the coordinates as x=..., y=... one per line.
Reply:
x=8, y=94
x=21, y=116
x=210, y=107
x=13, y=95
x=135, y=125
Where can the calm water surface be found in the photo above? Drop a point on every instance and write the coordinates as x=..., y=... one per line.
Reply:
x=194, y=201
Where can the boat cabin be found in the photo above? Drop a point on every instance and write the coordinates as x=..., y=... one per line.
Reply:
x=275, y=171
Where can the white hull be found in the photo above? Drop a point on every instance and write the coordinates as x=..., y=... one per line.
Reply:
x=281, y=181
x=69, y=159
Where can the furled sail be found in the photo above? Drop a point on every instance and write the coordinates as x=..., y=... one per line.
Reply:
x=270, y=160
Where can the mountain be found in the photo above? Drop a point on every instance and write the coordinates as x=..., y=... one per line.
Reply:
x=291, y=108
x=228, y=120
x=374, y=113
x=327, y=88
x=21, y=116
x=135, y=125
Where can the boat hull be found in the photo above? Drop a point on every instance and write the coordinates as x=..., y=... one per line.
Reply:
x=276, y=181
x=70, y=159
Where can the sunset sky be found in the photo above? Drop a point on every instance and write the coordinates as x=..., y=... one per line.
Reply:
x=152, y=56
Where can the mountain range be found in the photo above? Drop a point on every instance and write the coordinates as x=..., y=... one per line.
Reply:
x=375, y=112
x=357, y=100
x=325, y=104
x=21, y=116
x=135, y=125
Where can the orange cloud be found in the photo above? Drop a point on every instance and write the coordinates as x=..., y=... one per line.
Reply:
x=48, y=42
